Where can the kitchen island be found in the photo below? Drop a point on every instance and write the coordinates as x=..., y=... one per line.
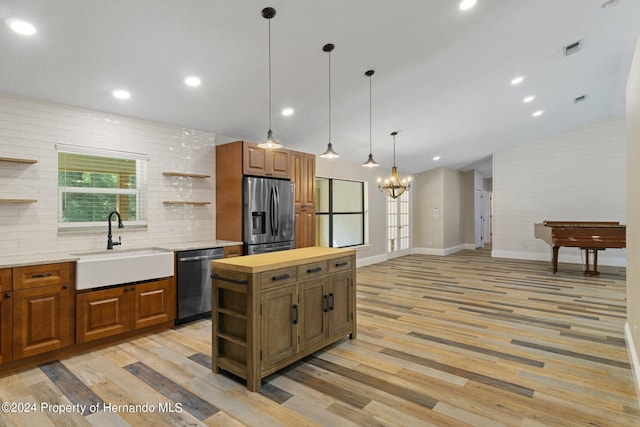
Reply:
x=272, y=309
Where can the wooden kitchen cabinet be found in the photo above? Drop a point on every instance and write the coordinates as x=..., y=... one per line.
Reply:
x=43, y=308
x=303, y=174
x=272, y=163
x=273, y=309
x=231, y=251
x=6, y=323
x=114, y=311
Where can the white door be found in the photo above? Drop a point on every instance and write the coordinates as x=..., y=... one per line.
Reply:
x=398, y=226
x=478, y=214
x=486, y=217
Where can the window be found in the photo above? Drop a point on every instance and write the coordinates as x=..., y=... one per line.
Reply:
x=340, y=218
x=94, y=182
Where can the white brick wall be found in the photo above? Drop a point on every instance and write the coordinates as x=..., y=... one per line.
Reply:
x=575, y=176
x=31, y=128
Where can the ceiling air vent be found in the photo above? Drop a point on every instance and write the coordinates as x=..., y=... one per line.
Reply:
x=580, y=98
x=572, y=48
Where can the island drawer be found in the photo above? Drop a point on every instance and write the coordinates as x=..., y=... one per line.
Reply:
x=281, y=276
x=35, y=276
x=340, y=264
x=314, y=269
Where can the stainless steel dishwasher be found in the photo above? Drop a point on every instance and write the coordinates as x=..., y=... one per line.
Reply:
x=194, y=283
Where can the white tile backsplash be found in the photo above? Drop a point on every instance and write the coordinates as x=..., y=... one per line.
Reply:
x=30, y=129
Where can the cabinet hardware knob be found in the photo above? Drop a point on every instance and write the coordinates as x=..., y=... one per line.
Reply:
x=281, y=277
x=341, y=264
x=326, y=303
x=65, y=286
x=331, y=301
x=314, y=270
x=126, y=289
x=7, y=295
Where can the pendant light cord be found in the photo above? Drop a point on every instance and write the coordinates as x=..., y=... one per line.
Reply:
x=329, y=96
x=269, y=74
x=370, y=115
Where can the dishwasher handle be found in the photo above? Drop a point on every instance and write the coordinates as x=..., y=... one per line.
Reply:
x=199, y=258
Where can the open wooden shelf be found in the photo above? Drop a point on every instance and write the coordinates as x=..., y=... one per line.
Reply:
x=18, y=200
x=189, y=175
x=178, y=202
x=16, y=160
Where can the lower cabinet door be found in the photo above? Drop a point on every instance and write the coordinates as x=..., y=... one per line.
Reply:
x=6, y=327
x=43, y=320
x=153, y=303
x=340, y=304
x=314, y=305
x=101, y=314
x=280, y=315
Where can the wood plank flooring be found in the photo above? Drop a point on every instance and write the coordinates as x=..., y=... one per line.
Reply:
x=461, y=340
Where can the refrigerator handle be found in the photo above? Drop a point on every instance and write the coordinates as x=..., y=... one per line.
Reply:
x=271, y=209
x=277, y=211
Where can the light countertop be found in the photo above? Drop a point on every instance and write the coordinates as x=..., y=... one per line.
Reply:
x=282, y=259
x=56, y=257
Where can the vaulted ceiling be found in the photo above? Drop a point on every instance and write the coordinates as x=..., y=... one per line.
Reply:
x=442, y=75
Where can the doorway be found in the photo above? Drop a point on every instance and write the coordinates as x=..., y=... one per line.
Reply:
x=398, y=226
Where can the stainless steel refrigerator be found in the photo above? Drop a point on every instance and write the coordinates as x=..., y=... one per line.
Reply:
x=268, y=215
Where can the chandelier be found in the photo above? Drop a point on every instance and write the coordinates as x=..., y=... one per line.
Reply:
x=393, y=186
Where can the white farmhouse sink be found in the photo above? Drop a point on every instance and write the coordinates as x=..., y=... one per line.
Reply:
x=117, y=267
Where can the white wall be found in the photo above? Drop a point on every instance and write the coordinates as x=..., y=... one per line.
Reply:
x=31, y=128
x=575, y=176
x=633, y=213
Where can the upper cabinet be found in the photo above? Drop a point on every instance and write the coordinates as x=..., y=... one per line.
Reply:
x=270, y=163
x=303, y=174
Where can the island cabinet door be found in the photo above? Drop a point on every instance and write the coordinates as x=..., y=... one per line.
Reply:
x=314, y=305
x=340, y=304
x=102, y=313
x=280, y=315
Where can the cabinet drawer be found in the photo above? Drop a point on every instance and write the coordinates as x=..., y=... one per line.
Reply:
x=5, y=280
x=35, y=276
x=314, y=269
x=278, y=277
x=340, y=264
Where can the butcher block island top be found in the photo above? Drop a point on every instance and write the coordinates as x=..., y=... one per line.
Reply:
x=270, y=310
x=273, y=260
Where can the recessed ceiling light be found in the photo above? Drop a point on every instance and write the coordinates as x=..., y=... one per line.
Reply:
x=529, y=99
x=610, y=3
x=467, y=4
x=436, y=158
x=21, y=27
x=192, y=81
x=287, y=111
x=121, y=94
x=517, y=80
x=538, y=113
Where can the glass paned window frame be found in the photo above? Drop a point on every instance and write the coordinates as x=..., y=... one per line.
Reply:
x=329, y=215
x=138, y=192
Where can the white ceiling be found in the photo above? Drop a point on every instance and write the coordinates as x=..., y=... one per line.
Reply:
x=442, y=76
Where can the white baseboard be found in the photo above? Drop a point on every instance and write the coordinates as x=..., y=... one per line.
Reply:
x=440, y=252
x=361, y=262
x=635, y=363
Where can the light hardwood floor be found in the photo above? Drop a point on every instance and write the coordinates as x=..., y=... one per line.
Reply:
x=445, y=341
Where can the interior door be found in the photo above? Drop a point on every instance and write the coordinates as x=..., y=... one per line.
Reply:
x=398, y=226
x=478, y=218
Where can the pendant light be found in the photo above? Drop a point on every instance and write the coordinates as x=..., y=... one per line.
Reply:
x=329, y=153
x=270, y=142
x=370, y=163
x=393, y=186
